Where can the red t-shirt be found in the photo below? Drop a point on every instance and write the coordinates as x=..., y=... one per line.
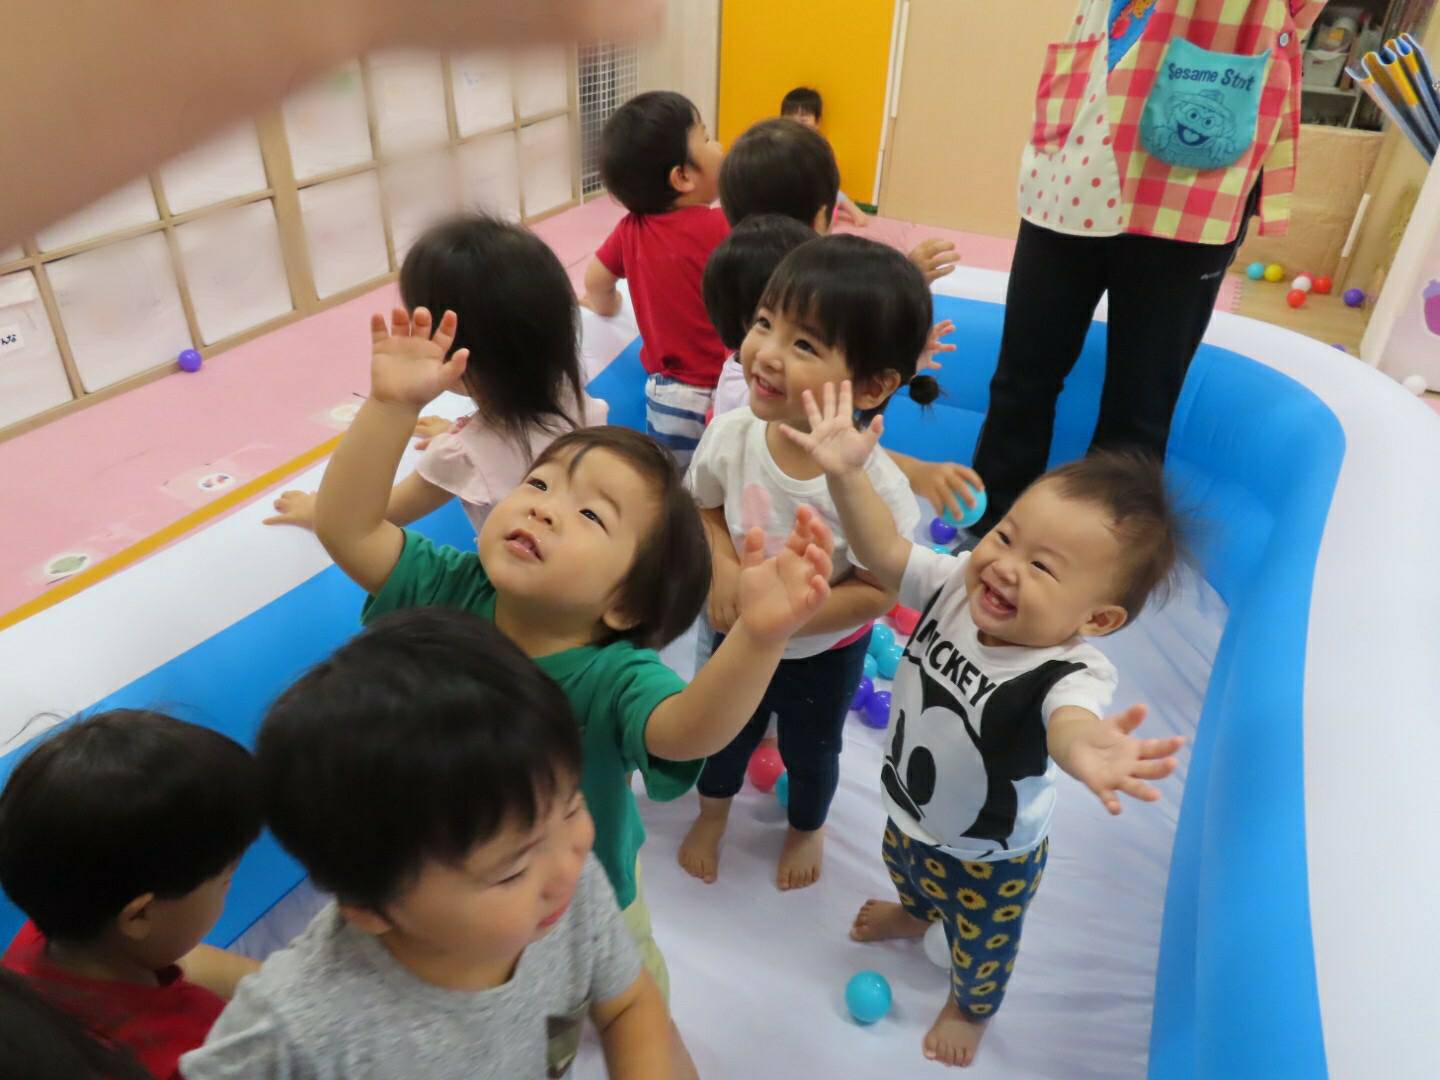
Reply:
x=156, y=1023
x=663, y=256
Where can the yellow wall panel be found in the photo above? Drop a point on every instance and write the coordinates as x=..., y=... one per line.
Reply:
x=840, y=47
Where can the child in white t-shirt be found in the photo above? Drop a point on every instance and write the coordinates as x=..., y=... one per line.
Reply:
x=997, y=690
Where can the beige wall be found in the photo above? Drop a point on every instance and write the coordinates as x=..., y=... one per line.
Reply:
x=686, y=57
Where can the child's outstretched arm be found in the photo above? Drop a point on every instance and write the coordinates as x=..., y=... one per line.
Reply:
x=836, y=446
x=1105, y=757
x=777, y=596
x=408, y=369
x=635, y=1032
x=601, y=296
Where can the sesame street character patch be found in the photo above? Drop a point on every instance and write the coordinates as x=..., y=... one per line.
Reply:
x=1204, y=108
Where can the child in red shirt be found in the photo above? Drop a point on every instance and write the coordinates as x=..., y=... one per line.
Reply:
x=658, y=160
x=118, y=838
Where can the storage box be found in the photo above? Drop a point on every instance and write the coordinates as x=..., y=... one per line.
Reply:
x=1323, y=68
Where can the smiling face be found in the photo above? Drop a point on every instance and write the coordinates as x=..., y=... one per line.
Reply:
x=562, y=542
x=1046, y=572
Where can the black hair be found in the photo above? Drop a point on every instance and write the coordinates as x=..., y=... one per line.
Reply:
x=779, y=167
x=418, y=739
x=112, y=806
x=666, y=586
x=41, y=1042
x=739, y=269
x=641, y=143
x=516, y=313
x=864, y=298
x=802, y=100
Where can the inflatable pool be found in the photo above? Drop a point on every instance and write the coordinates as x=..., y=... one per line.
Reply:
x=1263, y=920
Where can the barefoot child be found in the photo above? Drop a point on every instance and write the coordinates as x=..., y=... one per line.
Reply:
x=837, y=307
x=595, y=560
x=997, y=689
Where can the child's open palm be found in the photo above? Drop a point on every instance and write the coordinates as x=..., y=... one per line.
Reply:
x=408, y=364
x=780, y=594
x=1107, y=758
x=833, y=442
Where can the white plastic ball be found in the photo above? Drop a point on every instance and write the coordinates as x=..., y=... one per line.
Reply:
x=937, y=949
x=1303, y=283
x=1416, y=384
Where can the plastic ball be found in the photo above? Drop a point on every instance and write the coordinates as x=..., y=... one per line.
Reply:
x=1355, y=298
x=1296, y=298
x=940, y=549
x=1304, y=283
x=862, y=693
x=937, y=949
x=190, y=360
x=782, y=791
x=765, y=768
x=941, y=531
x=904, y=619
x=1323, y=285
x=871, y=667
x=889, y=660
x=972, y=513
x=1274, y=272
x=1255, y=271
x=867, y=996
x=1416, y=384
x=877, y=709
x=1341, y=347
x=881, y=638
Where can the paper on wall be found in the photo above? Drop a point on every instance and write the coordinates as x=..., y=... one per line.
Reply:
x=121, y=309
x=123, y=208
x=235, y=269
x=481, y=83
x=545, y=165
x=344, y=232
x=326, y=124
x=490, y=175
x=409, y=93
x=221, y=168
x=32, y=377
x=542, y=80
x=418, y=192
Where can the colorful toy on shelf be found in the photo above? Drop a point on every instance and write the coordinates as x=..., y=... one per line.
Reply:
x=1355, y=298
x=1296, y=298
x=1304, y=283
x=1323, y=285
x=1274, y=272
x=191, y=360
x=1255, y=271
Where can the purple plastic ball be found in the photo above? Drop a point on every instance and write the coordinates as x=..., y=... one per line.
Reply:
x=941, y=531
x=863, y=693
x=190, y=360
x=1355, y=298
x=877, y=709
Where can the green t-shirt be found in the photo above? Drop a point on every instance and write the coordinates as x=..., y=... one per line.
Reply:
x=612, y=688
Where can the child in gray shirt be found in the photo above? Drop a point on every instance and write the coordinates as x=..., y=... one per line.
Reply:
x=427, y=775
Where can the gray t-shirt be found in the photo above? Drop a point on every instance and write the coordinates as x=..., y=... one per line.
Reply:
x=335, y=1005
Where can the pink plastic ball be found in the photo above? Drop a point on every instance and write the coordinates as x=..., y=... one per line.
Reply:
x=765, y=768
x=904, y=619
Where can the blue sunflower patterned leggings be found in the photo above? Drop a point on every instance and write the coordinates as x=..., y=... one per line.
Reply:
x=982, y=905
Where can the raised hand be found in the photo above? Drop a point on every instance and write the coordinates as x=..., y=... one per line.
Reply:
x=935, y=257
x=780, y=594
x=1108, y=759
x=833, y=442
x=408, y=359
x=935, y=344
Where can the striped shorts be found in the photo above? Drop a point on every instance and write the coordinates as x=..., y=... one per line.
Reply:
x=675, y=415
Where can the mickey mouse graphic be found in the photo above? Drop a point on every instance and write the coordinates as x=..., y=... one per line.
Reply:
x=959, y=780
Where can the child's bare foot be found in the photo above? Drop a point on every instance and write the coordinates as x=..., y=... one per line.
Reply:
x=700, y=850
x=954, y=1038
x=880, y=920
x=800, y=858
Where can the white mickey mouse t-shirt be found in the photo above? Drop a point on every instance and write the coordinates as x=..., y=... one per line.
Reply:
x=967, y=768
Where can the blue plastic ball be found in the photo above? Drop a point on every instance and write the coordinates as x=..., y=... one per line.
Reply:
x=940, y=549
x=877, y=709
x=871, y=667
x=782, y=791
x=972, y=513
x=190, y=360
x=941, y=531
x=881, y=638
x=1255, y=271
x=1354, y=298
x=867, y=996
x=862, y=694
x=889, y=660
